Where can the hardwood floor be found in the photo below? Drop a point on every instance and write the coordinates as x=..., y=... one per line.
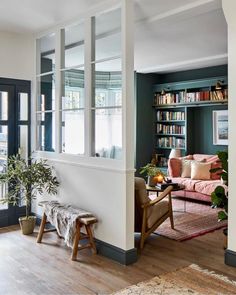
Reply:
x=30, y=268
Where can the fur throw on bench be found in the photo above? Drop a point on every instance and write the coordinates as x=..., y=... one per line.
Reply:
x=64, y=218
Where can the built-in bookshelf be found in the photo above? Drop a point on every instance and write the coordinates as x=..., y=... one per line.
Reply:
x=189, y=97
x=174, y=107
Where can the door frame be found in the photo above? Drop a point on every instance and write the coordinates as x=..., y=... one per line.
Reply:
x=10, y=216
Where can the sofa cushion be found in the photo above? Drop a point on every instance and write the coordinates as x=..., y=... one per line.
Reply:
x=203, y=157
x=156, y=211
x=175, y=165
x=187, y=182
x=216, y=175
x=200, y=170
x=208, y=186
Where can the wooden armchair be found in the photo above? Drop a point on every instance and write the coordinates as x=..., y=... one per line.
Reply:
x=149, y=214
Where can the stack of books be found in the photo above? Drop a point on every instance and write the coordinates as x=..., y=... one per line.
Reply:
x=165, y=185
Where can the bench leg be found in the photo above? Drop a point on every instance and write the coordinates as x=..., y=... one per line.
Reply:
x=76, y=242
x=41, y=229
x=90, y=234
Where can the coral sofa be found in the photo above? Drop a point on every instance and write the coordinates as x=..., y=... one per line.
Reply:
x=199, y=189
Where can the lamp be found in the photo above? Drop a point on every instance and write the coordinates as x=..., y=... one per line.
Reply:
x=175, y=153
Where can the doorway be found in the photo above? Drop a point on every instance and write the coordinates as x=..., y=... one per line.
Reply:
x=14, y=136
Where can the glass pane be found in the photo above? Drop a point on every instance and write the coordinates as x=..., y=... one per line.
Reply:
x=108, y=83
x=73, y=88
x=23, y=141
x=46, y=131
x=3, y=161
x=3, y=105
x=23, y=106
x=47, y=53
x=74, y=45
x=73, y=132
x=108, y=133
x=108, y=34
x=46, y=100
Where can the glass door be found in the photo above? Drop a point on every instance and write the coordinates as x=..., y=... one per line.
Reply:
x=14, y=136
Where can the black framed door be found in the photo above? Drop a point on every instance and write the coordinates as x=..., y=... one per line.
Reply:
x=14, y=136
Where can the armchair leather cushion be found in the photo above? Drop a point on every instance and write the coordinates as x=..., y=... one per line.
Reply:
x=154, y=213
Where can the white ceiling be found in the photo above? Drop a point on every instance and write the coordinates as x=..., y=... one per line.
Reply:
x=170, y=35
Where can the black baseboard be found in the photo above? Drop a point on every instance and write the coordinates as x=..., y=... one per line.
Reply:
x=117, y=254
x=230, y=258
x=108, y=250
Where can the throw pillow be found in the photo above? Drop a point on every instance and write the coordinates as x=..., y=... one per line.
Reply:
x=186, y=168
x=174, y=167
x=200, y=170
x=215, y=175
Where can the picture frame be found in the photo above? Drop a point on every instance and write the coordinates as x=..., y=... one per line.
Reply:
x=220, y=127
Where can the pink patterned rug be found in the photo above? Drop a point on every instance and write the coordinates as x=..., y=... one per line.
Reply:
x=198, y=219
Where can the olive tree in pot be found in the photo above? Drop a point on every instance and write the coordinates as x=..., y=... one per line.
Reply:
x=26, y=179
x=219, y=197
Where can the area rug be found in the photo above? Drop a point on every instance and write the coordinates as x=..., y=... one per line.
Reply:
x=198, y=219
x=188, y=280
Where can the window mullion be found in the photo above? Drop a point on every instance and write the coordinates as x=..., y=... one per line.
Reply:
x=89, y=88
x=59, y=56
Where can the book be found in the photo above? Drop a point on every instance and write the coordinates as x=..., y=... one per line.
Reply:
x=165, y=185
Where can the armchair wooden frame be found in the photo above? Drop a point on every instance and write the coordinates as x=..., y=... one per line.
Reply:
x=146, y=232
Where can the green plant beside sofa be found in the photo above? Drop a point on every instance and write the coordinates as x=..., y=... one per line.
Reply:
x=219, y=197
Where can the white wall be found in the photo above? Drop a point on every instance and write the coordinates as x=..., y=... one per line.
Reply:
x=100, y=191
x=229, y=7
x=16, y=56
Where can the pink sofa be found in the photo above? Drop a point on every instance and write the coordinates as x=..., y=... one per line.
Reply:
x=195, y=189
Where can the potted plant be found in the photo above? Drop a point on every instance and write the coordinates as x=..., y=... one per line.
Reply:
x=154, y=174
x=219, y=197
x=26, y=179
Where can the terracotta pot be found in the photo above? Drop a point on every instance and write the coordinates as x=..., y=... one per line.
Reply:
x=27, y=224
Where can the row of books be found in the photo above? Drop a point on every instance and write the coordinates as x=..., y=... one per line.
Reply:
x=186, y=97
x=171, y=142
x=167, y=116
x=170, y=129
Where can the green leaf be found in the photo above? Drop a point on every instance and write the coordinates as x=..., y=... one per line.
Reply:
x=222, y=215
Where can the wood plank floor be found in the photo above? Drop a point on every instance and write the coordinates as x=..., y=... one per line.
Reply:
x=30, y=268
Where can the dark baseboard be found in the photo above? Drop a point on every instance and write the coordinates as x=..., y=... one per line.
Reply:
x=230, y=258
x=108, y=250
x=117, y=254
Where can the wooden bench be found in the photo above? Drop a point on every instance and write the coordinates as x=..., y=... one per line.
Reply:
x=87, y=222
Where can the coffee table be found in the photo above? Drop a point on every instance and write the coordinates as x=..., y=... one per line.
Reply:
x=158, y=190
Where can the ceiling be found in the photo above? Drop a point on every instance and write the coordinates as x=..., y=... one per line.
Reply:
x=170, y=35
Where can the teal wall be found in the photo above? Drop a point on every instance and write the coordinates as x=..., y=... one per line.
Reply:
x=144, y=119
x=201, y=117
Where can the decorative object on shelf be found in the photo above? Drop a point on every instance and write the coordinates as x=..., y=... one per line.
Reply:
x=26, y=179
x=219, y=197
x=220, y=127
x=218, y=85
x=153, y=172
x=175, y=153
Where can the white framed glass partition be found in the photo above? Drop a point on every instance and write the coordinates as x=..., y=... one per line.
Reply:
x=79, y=100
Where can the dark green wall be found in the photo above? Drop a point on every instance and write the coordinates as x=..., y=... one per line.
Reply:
x=201, y=129
x=144, y=118
x=194, y=74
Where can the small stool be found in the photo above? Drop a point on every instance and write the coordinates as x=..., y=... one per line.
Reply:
x=87, y=222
